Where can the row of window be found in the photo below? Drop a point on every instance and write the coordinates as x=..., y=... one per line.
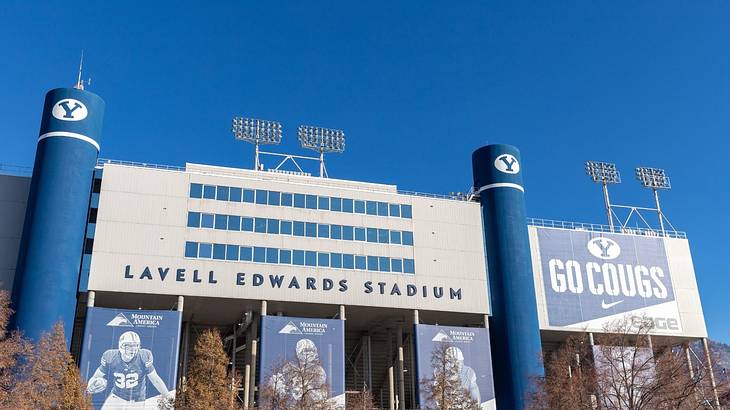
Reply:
x=298, y=228
x=304, y=201
x=297, y=257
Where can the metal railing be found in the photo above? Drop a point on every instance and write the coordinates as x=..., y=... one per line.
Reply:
x=580, y=226
x=103, y=161
x=16, y=170
x=452, y=197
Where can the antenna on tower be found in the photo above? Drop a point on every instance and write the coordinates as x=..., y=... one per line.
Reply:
x=79, y=82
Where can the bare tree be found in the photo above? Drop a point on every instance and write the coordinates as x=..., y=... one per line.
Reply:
x=362, y=400
x=447, y=388
x=14, y=349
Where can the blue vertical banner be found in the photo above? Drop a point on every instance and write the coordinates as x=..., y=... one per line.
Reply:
x=466, y=354
x=129, y=357
x=303, y=356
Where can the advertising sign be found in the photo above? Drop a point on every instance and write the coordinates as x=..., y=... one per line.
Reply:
x=129, y=357
x=457, y=356
x=592, y=278
x=303, y=360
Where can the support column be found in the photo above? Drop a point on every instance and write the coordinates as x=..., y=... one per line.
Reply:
x=415, y=317
x=252, y=377
x=263, y=307
x=91, y=299
x=180, y=303
x=712, y=373
x=246, y=384
x=401, y=371
x=342, y=312
x=391, y=389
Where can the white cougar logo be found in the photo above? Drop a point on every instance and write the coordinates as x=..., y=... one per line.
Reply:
x=604, y=248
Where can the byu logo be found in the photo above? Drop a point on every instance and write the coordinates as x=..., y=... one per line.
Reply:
x=507, y=163
x=604, y=248
x=69, y=110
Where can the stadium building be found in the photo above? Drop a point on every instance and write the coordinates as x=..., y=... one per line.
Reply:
x=368, y=279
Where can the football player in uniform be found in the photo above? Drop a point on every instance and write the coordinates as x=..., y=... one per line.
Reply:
x=126, y=367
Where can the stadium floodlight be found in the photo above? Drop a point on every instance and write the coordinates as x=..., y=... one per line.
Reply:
x=257, y=132
x=321, y=140
x=604, y=173
x=654, y=179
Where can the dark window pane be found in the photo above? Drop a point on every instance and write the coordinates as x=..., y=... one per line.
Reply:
x=219, y=251
x=336, y=260
x=384, y=264
x=274, y=198
x=248, y=195
x=246, y=253
x=298, y=228
x=234, y=223
x=191, y=249
x=247, y=224
x=371, y=208
x=360, y=262
x=222, y=194
x=286, y=227
x=93, y=213
x=259, y=225
x=285, y=256
x=383, y=236
x=272, y=226
x=196, y=190
x=205, y=250
x=359, y=207
x=394, y=210
x=311, y=229
x=259, y=254
x=299, y=201
x=286, y=199
x=407, y=238
x=235, y=195
x=406, y=211
x=347, y=233
x=194, y=219
x=310, y=258
x=382, y=209
x=336, y=204
x=348, y=261
x=347, y=205
x=323, y=231
x=272, y=255
x=206, y=220
x=336, y=232
x=261, y=197
x=372, y=235
x=232, y=252
x=311, y=201
x=323, y=259
x=397, y=265
x=221, y=222
x=395, y=237
x=409, y=266
x=323, y=203
x=209, y=191
x=298, y=258
x=359, y=234
x=373, y=263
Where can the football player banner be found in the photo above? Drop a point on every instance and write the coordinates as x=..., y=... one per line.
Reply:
x=129, y=357
x=467, y=355
x=297, y=351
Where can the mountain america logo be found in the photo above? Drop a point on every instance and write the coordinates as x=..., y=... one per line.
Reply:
x=290, y=329
x=69, y=109
x=121, y=321
x=507, y=163
x=441, y=336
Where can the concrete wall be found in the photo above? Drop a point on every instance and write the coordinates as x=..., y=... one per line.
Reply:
x=13, y=198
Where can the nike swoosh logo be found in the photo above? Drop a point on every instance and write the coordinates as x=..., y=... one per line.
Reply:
x=609, y=305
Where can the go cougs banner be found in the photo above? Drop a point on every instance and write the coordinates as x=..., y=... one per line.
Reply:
x=295, y=348
x=592, y=278
x=129, y=357
x=468, y=349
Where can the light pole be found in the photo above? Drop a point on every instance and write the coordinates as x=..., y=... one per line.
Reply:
x=654, y=179
x=321, y=140
x=604, y=173
x=257, y=132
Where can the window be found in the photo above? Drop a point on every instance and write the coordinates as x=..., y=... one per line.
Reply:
x=371, y=208
x=323, y=231
x=359, y=207
x=347, y=205
x=310, y=229
x=347, y=233
x=384, y=264
x=407, y=238
x=272, y=255
x=274, y=198
x=348, y=261
x=248, y=195
x=247, y=224
x=299, y=201
x=272, y=226
x=395, y=237
x=232, y=252
x=396, y=265
x=323, y=203
x=234, y=223
x=336, y=260
x=259, y=225
x=205, y=250
x=298, y=228
x=394, y=210
x=286, y=199
x=222, y=193
x=193, y=219
x=221, y=222
x=259, y=254
x=286, y=227
x=373, y=263
x=246, y=253
x=323, y=259
x=406, y=211
x=372, y=235
x=285, y=256
x=409, y=266
x=336, y=204
x=336, y=231
x=359, y=234
x=209, y=191
x=298, y=258
x=196, y=191
x=261, y=197
x=206, y=221
x=311, y=201
x=191, y=249
x=360, y=262
x=382, y=209
x=383, y=236
x=219, y=251
x=310, y=258
x=235, y=195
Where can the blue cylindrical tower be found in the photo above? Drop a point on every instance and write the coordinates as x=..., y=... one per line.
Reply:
x=514, y=328
x=47, y=275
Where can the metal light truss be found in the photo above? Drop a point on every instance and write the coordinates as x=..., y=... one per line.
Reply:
x=603, y=172
x=321, y=139
x=259, y=132
x=653, y=178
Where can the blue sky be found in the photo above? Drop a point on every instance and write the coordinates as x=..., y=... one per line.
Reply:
x=417, y=86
